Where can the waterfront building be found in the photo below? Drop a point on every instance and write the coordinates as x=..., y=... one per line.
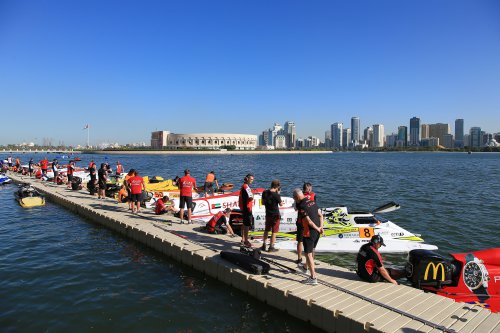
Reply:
x=328, y=139
x=299, y=143
x=159, y=139
x=424, y=133
x=414, y=131
x=430, y=142
x=475, y=137
x=438, y=131
x=290, y=134
x=466, y=140
x=448, y=141
x=368, y=136
x=337, y=131
x=355, y=131
x=402, y=136
x=203, y=140
x=459, y=133
x=378, y=135
x=346, y=135
x=280, y=141
x=391, y=140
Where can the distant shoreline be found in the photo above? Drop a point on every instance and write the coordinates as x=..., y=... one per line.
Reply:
x=207, y=152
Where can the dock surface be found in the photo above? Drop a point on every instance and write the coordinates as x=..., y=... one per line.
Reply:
x=341, y=302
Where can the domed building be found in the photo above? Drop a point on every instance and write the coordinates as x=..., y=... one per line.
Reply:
x=167, y=140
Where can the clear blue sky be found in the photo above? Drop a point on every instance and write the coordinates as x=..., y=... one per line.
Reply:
x=131, y=67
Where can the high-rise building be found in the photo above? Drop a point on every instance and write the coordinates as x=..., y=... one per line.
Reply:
x=424, y=134
x=459, y=133
x=448, y=141
x=355, y=131
x=280, y=141
x=402, y=136
x=368, y=136
x=438, y=131
x=391, y=140
x=346, y=135
x=414, y=131
x=475, y=137
x=328, y=139
x=290, y=134
x=378, y=135
x=336, y=130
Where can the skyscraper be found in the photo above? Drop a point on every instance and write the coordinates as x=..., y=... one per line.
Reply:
x=402, y=136
x=459, y=133
x=290, y=134
x=438, y=131
x=368, y=135
x=355, y=131
x=475, y=137
x=336, y=130
x=414, y=131
x=424, y=134
x=346, y=135
x=378, y=135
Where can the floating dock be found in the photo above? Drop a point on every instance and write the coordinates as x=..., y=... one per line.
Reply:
x=339, y=303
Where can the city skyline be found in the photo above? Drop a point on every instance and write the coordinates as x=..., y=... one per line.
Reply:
x=129, y=68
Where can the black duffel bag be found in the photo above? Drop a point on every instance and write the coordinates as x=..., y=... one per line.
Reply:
x=248, y=263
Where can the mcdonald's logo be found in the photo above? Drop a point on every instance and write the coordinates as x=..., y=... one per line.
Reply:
x=435, y=271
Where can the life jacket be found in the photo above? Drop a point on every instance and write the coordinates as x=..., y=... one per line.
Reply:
x=213, y=222
x=119, y=169
x=38, y=174
x=44, y=164
x=70, y=169
x=210, y=178
x=310, y=195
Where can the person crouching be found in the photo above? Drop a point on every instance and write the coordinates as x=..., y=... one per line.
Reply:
x=219, y=223
x=163, y=205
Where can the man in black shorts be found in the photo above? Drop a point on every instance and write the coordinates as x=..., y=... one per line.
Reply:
x=102, y=175
x=312, y=222
x=370, y=265
x=246, y=203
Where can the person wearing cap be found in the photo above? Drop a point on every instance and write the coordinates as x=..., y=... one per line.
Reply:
x=370, y=264
x=245, y=202
x=219, y=223
x=186, y=185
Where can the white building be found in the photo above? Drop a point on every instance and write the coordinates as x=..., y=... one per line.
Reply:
x=167, y=140
x=378, y=135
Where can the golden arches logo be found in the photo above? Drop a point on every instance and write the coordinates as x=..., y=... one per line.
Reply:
x=435, y=271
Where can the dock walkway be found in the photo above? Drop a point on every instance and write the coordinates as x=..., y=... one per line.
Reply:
x=339, y=303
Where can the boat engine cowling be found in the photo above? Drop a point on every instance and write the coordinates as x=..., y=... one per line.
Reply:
x=426, y=268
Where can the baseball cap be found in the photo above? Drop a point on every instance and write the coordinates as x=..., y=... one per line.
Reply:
x=377, y=239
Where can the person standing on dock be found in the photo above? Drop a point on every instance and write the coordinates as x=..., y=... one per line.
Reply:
x=309, y=194
x=69, y=173
x=370, y=264
x=272, y=200
x=102, y=175
x=246, y=204
x=186, y=185
x=44, y=164
x=55, y=169
x=30, y=167
x=209, y=183
x=129, y=175
x=312, y=222
x=137, y=185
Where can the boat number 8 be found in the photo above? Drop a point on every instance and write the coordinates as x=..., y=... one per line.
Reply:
x=366, y=233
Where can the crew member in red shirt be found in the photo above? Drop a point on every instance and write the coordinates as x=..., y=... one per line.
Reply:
x=163, y=205
x=186, y=185
x=309, y=194
x=44, y=164
x=136, y=185
x=69, y=173
x=246, y=203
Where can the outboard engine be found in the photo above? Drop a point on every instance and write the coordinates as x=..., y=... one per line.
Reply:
x=426, y=268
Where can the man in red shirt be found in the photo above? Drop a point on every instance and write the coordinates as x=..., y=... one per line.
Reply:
x=163, y=205
x=136, y=185
x=186, y=185
x=44, y=164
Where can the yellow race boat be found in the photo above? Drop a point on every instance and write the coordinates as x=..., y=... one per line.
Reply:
x=28, y=197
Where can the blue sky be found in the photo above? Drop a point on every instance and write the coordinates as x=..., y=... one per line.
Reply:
x=131, y=67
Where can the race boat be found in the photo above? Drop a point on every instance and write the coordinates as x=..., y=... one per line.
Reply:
x=157, y=187
x=28, y=196
x=470, y=277
x=346, y=231
x=4, y=179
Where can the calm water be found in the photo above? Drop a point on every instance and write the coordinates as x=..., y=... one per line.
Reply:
x=59, y=272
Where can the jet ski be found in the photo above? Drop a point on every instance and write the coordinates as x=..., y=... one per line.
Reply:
x=4, y=179
x=28, y=196
x=470, y=277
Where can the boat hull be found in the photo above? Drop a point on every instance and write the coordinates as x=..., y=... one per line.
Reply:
x=30, y=202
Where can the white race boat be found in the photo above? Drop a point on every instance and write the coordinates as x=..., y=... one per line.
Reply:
x=4, y=179
x=344, y=231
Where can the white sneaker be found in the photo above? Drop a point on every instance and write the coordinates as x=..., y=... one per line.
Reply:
x=311, y=282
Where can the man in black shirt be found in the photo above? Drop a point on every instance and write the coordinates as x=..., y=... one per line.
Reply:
x=102, y=175
x=370, y=265
x=272, y=200
x=312, y=221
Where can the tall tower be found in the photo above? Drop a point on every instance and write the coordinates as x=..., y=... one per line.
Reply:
x=355, y=131
x=336, y=130
x=290, y=134
x=403, y=136
x=475, y=137
x=414, y=131
x=459, y=133
x=378, y=135
x=346, y=136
